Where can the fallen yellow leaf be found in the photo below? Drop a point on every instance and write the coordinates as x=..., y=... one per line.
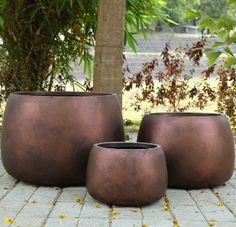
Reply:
x=212, y=222
x=175, y=223
x=166, y=208
x=220, y=203
x=8, y=220
x=80, y=200
x=97, y=205
x=63, y=216
x=115, y=213
x=145, y=225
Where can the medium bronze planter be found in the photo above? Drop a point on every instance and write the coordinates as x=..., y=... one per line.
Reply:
x=128, y=174
x=199, y=147
x=47, y=136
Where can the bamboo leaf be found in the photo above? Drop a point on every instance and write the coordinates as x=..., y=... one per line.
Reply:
x=212, y=56
x=131, y=41
x=217, y=44
x=228, y=51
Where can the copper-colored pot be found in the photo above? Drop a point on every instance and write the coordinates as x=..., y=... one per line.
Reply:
x=199, y=147
x=47, y=136
x=129, y=174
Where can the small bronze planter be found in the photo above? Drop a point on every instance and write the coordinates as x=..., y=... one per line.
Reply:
x=128, y=174
x=47, y=136
x=199, y=147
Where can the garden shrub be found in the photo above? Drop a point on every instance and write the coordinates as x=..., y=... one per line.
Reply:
x=169, y=83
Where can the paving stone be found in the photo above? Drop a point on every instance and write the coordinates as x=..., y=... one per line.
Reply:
x=220, y=214
x=156, y=212
x=225, y=190
x=94, y=222
x=234, y=173
x=59, y=222
x=33, y=210
x=7, y=214
x=7, y=181
x=126, y=223
x=225, y=224
x=72, y=195
x=13, y=206
x=211, y=206
x=193, y=224
x=192, y=213
x=228, y=196
x=179, y=198
x=157, y=223
x=133, y=213
x=28, y=222
x=26, y=186
x=3, y=192
x=89, y=210
x=18, y=194
x=45, y=195
x=2, y=170
x=71, y=209
x=232, y=182
x=201, y=196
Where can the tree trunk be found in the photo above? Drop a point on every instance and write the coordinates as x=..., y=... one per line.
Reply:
x=109, y=47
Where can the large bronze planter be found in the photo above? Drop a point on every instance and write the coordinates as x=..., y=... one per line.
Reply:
x=199, y=147
x=128, y=174
x=47, y=136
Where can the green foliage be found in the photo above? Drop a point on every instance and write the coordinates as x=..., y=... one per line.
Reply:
x=139, y=17
x=191, y=14
x=212, y=8
x=41, y=39
x=222, y=25
x=175, y=8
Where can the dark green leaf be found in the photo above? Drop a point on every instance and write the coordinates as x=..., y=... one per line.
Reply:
x=228, y=51
x=131, y=41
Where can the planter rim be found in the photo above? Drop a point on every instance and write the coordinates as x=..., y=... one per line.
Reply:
x=186, y=114
x=134, y=146
x=62, y=94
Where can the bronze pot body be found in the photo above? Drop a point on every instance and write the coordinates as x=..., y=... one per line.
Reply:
x=47, y=136
x=199, y=147
x=128, y=174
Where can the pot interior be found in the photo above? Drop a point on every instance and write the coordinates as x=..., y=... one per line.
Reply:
x=62, y=93
x=187, y=114
x=123, y=145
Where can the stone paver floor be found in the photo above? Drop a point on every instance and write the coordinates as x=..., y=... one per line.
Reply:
x=24, y=205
